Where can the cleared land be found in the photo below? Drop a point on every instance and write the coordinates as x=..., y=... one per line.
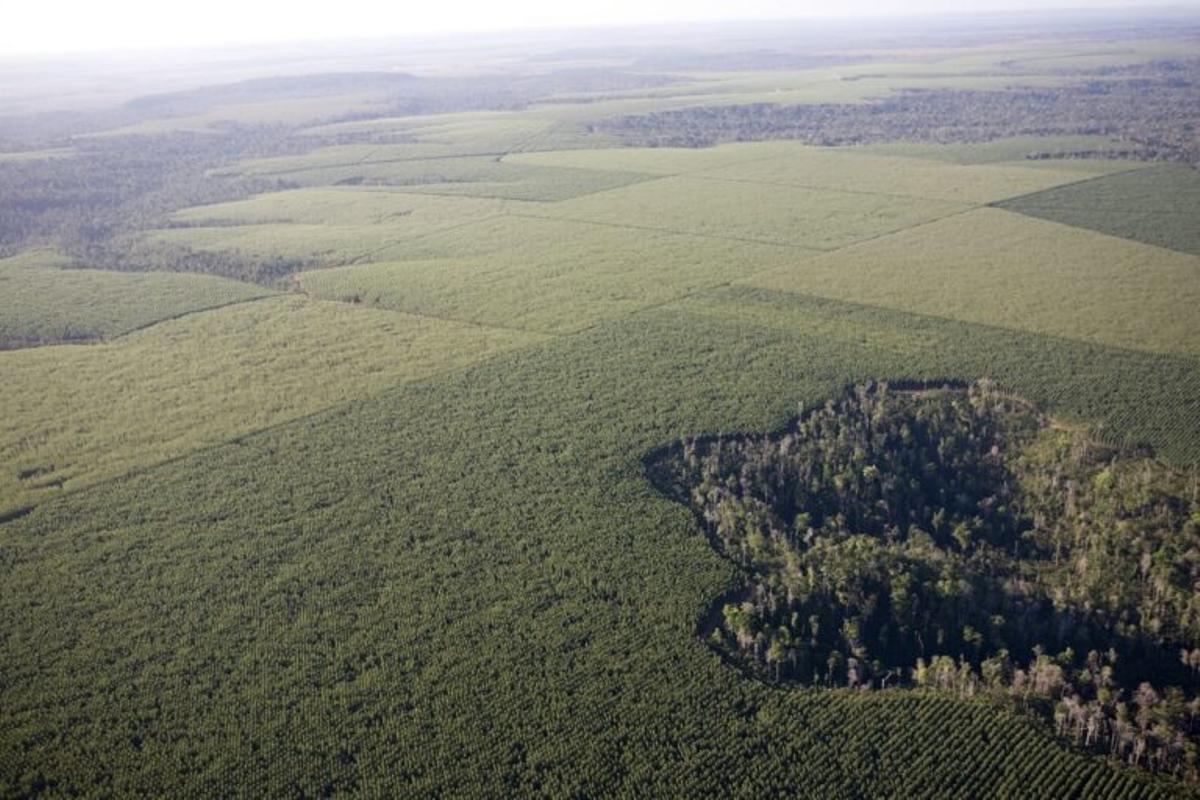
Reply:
x=846, y=170
x=654, y=160
x=405, y=213
x=41, y=302
x=921, y=176
x=818, y=219
x=71, y=416
x=540, y=274
x=299, y=243
x=997, y=268
x=319, y=225
x=479, y=176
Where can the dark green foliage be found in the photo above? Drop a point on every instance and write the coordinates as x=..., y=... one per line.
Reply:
x=873, y=462
x=121, y=184
x=1155, y=115
x=466, y=587
x=1156, y=205
x=940, y=538
x=134, y=255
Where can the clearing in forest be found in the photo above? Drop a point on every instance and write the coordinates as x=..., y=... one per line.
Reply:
x=69, y=418
x=998, y=268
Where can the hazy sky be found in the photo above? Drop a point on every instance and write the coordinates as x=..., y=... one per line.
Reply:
x=48, y=26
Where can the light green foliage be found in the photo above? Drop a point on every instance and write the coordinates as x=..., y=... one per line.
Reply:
x=1156, y=205
x=828, y=166
x=655, y=160
x=993, y=267
x=543, y=274
x=769, y=213
x=435, y=135
x=342, y=155
x=542, y=185
x=72, y=416
x=345, y=157
x=480, y=176
x=330, y=244
x=404, y=213
x=334, y=225
x=846, y=169
x=496, y=132
x=42, y=302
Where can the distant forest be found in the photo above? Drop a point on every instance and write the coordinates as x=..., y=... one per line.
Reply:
x=1153, y=108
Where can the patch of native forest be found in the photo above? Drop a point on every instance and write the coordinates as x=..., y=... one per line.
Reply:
x=956, y=538
x=333, y=381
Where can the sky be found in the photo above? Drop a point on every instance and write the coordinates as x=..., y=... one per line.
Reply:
x=64, y=26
